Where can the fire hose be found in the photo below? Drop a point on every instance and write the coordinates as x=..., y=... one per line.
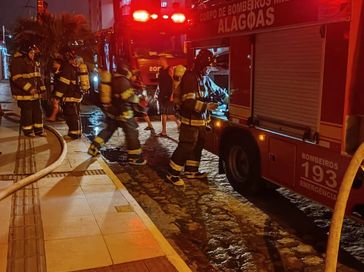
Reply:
x=339, y=210
x=36, y=176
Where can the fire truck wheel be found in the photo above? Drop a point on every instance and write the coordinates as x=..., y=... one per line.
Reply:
x=242, y=167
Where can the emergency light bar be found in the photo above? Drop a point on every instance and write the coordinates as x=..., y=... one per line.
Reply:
x=154, y=16
x=141, y=15
x=144, y=16
x=178, y=18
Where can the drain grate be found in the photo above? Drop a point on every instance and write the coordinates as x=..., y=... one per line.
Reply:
x=12, y=177
x=94, y=172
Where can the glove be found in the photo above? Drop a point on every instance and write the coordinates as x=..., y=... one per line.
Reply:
x=33, y=91
x=212, y=106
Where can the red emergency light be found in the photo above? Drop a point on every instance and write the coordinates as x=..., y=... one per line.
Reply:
x=154, y=16
x=178, y=18
x=141, y=15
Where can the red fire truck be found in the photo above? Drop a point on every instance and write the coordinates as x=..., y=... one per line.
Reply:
x=295, y=72
x=142, y=32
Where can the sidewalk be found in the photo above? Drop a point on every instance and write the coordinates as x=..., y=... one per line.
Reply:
x=78, y=217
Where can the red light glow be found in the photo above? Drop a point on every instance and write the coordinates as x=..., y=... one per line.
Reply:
x=165, y=16
x=154, y=16
x=178, y=18
x=140, y=15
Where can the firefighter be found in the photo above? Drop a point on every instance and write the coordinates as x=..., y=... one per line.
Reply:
x=67, y=90
x=178, y=73
x=194, y=118
x=26, y=87
x=118, y=100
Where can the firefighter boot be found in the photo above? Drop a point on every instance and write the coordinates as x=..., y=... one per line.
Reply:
x=138, y=161
x=195, y=175
x=93, y=150
x=175, y=180
x=41, y=134
x=29, y=134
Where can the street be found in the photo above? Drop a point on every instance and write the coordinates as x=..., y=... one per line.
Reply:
x=215, y=228
x=272, y=90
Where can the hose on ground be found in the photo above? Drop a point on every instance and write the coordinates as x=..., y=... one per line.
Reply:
x=333, y=242
x=45, y=171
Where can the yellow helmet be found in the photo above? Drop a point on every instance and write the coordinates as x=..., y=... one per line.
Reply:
x=178, y=72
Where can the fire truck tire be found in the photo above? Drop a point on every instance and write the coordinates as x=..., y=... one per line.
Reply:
x=242, y=166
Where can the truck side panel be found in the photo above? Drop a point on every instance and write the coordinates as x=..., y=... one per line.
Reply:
x=336, y=57
x=333, y=91
x=240, y=77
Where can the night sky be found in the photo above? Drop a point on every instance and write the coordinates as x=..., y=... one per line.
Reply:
x=10, y=10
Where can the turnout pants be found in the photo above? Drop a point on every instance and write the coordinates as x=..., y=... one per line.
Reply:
x=130, y=129
x=187, y=155
x=31, y=116
x=71, y=112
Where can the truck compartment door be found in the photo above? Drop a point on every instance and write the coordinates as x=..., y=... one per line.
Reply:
x=288, y=69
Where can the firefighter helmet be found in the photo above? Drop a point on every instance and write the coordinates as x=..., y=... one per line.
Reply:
x=28, y=46
x=178, y=72
x=204, y=58
x=68, y=53
x=123, y=69
x=57, y=57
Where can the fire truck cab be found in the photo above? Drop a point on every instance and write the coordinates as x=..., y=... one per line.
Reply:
x=142, y=32
x=295, y=73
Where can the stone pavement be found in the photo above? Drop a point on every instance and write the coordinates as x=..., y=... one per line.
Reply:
x=78, y=218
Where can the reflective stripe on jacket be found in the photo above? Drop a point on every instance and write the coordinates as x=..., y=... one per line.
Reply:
x=193, y=108
x=123, y=96
x=66, y=84
x=25, y=76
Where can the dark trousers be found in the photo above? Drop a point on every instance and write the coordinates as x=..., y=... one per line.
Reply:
x=187, y=155
x=31, y=116
x=71, y=112
x=130, y=129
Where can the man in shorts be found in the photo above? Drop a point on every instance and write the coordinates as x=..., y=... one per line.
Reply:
x=165, y=96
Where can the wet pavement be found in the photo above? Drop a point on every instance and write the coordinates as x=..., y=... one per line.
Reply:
x=78, y=217
x=213, y=227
